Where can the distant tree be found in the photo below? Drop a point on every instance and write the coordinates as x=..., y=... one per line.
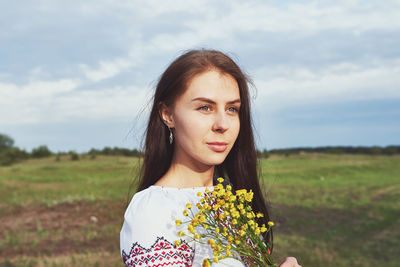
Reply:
x=93, y=153
x=12, y=155
x=391, y=150
x=6, y=142
x=375, y=150
x=265, y=154
x=41, y=152
x=135, y=153
x=74, y=155
x=107, y=151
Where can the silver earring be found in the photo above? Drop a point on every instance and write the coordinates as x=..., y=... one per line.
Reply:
x=171, y=136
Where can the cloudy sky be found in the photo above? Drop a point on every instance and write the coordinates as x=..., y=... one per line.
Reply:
x=79, y=74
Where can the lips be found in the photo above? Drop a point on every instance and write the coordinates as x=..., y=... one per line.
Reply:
x=218, y=146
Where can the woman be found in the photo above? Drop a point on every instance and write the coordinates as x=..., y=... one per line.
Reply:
x=199, y=128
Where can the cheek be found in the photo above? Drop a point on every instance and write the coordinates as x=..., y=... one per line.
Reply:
x=235, y=128
x=236, y=134
x=191, y=128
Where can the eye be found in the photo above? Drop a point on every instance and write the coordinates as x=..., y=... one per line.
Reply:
x=233, y=109
x=204, y=108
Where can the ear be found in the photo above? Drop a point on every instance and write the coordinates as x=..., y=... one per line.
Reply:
x=166, y=115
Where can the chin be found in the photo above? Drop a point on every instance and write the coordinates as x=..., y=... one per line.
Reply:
x=215, y=159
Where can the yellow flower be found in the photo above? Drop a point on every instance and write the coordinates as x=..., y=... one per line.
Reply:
x=235, y=214
x=202, y=218
x=263, y=229
x=181, y=233
x=220, y=179
x=195, y=222
x=178, y=222
x=206, y=263
x=185, y=212
x=249, y=196
x=260, y=215
x=237, y=242
x=241, y=192
x=241, y=233
x=199, y=194
x=210, y=241
x=229, y=187
x=217, y=230
x=207, y=190
x=257, y=231
x=191, y=228
x=177, y=243
x=250, y=215
x=197, y=236
x=188, y=206
x=215, y=259
x=270, y=223
x=228, y=253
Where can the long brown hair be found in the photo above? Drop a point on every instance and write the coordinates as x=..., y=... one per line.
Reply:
x=240, y=166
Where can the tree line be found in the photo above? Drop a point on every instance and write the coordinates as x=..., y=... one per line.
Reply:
x=10, y=154
x=373, y=150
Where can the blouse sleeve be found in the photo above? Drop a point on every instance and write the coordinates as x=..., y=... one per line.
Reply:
x=149, y=233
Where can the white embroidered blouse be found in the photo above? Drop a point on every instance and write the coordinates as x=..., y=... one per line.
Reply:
x=149, y=231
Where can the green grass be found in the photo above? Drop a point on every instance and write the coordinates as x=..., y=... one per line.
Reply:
x=330, y=210
x=49, y=182
x=336, y=210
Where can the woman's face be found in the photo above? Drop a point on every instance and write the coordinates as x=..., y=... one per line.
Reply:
x=205, y=119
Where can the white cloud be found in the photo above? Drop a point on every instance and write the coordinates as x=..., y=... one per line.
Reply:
x=299, y=19
x=60, y=101
x=280, y=87
x=107, y=69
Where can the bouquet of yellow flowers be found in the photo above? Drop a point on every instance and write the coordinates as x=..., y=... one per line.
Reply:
x=226, y=222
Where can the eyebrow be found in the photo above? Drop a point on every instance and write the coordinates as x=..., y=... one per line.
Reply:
x=212, y=102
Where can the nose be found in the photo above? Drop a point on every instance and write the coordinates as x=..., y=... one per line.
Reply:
x=221, y=122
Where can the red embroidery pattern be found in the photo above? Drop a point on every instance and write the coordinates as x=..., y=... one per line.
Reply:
x=161, y=253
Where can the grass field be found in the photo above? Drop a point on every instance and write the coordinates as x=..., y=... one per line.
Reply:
x=330, y=210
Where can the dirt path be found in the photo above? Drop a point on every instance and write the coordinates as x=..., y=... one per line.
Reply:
x=62, y=229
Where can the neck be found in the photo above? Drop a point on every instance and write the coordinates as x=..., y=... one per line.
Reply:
x=183, y=175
